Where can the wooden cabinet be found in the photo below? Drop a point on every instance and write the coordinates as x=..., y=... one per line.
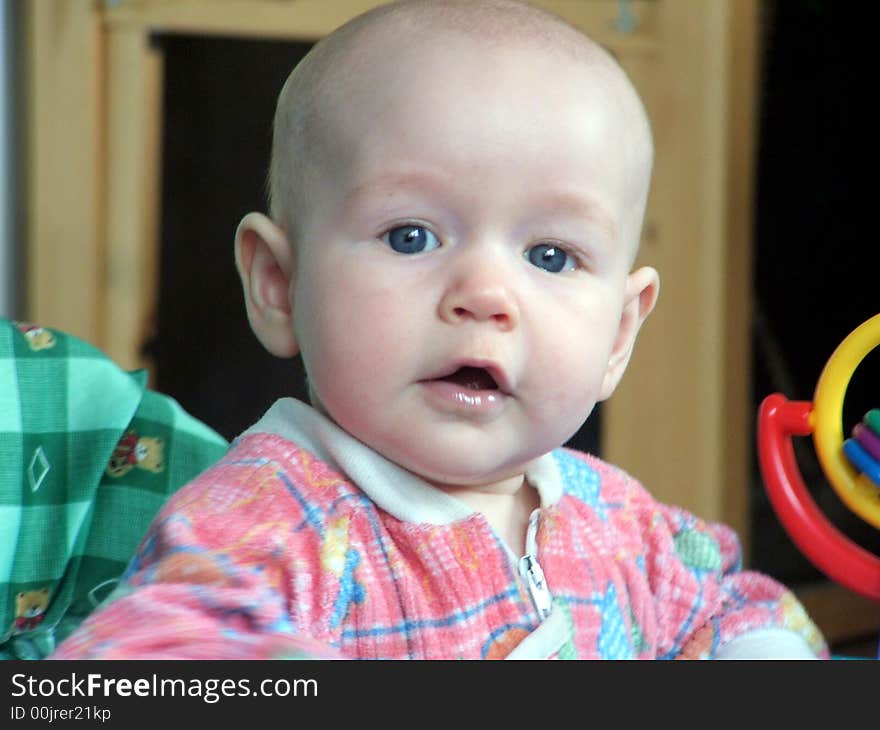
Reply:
x=681, y=420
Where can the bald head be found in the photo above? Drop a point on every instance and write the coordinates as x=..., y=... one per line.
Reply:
x=317, y=91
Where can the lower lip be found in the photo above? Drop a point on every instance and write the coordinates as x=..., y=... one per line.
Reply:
x=454, y=398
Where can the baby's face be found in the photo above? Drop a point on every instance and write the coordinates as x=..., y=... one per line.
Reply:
x=463, y=269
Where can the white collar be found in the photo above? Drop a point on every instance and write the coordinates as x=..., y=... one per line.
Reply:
x=393, y=488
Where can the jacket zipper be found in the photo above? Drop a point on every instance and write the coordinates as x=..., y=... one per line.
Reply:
x=531, y=572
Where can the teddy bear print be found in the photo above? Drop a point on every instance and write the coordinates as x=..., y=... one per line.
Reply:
x=38, y=338
x=143, y=452
x=30, y=609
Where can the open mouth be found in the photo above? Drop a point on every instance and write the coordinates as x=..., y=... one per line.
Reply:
x=471, y=378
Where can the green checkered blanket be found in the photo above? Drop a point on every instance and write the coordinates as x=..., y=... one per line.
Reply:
x=88, y=454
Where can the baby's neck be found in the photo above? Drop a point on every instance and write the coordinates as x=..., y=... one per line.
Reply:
x=506, y=506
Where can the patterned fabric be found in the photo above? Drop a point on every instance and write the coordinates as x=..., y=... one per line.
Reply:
x=88, y=454
x=273, y=553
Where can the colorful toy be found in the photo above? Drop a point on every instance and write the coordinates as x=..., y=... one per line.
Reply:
x=852, y=467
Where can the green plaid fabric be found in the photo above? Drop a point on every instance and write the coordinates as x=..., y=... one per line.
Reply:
x=88, y=454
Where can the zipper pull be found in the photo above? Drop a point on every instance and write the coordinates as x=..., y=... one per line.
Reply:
x=532, y=573
x=530, y=570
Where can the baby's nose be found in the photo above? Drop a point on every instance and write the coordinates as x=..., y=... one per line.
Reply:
x=480, y=293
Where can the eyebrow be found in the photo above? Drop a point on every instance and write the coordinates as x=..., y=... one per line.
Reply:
x=575, y=204
x=583, y=207
x=390, y=183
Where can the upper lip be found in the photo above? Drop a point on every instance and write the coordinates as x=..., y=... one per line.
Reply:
x=490, y=366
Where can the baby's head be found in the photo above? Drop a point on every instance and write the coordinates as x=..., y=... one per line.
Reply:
x=319, y=90
x=457, y=194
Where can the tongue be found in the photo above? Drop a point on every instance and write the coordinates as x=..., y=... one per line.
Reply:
x=473, y=378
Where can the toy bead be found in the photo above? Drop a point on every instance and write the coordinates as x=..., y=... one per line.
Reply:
x=862, y=460
x=872, y=420
x=856, y=490
x=869, y=440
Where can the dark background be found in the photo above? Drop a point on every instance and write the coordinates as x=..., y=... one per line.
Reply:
x=816, y=257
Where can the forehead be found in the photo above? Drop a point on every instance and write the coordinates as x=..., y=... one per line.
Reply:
x=450, y=95
x=389, y=77
x=399, y=47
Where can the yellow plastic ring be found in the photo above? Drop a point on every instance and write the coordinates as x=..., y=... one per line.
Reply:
x=856, y=491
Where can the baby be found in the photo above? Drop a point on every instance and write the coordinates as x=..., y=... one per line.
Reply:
x=457, y=193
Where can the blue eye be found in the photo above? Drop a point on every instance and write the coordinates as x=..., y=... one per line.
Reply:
x=411, y=239
x=550, y=258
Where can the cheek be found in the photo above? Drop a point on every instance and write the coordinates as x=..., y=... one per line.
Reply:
x=349, y=323
x=570, y=359
x=567, y=377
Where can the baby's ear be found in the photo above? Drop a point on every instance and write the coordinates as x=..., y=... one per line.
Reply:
x=642, y=288
x=264, y=260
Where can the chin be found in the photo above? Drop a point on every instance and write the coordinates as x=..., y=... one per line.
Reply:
x=465, y=472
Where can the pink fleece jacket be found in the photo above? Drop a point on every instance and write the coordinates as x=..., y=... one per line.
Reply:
x=303, y=542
